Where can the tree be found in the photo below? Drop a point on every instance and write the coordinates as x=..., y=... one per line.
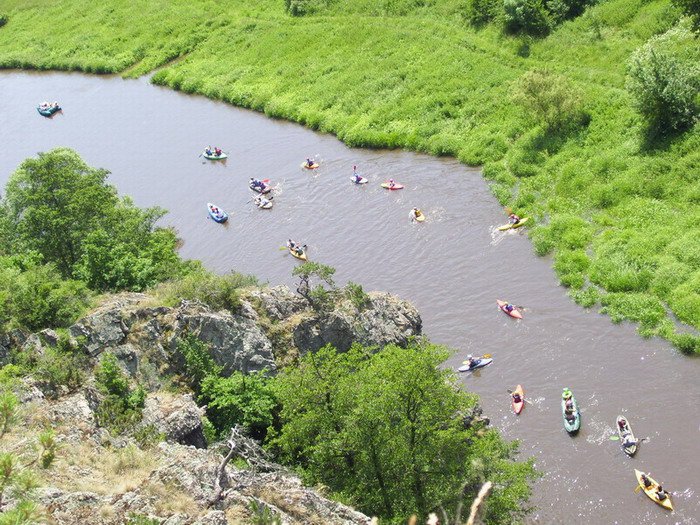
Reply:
x=386, y=430
x=664, y=80
x=548, y=99
x=63, y=209
x=526, y=16
x=317, y=296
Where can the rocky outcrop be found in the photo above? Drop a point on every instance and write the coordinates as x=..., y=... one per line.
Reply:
x=246, y=340
x=178, y=419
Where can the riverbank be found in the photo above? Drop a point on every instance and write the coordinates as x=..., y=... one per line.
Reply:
x=620, y=217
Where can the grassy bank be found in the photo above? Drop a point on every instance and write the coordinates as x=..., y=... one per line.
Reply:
x=619, y=211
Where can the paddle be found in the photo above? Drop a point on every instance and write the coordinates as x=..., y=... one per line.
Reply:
x=523, y=398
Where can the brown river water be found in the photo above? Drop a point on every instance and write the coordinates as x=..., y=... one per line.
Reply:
x=452, y=267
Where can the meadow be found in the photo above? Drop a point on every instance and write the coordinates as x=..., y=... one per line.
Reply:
x=618, y=210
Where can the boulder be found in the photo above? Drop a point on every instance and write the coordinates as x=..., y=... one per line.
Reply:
x=178, y=418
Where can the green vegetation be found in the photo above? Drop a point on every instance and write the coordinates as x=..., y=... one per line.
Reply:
x=385, y=431
x=616, y=204
x=121, y=408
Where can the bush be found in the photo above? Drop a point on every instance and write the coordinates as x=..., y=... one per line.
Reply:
x=217, y=291
x=8, y=405
x=526, y=16
x=548, y=99
x=479, y=12
x=198, y=363
x=3, y=19
x=304, y=7
x=241, y=399
x=664, y=80
x=561, y=10
x=121, y=408
x=691, y=8
x=358, y=297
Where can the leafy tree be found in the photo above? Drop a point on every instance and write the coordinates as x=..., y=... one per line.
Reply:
x=479, y=12
x=318, y=296
x=526, y=16
x=561, y=10
x=690, y=8
x=386, y=430
x=243, y=399
x=664, y=80
x=548, y=99
x=62, y=208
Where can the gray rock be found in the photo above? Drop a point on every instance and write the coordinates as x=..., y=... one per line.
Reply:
x=179, y=418
x=215, y=517
x=278, y=302
x=49, y=337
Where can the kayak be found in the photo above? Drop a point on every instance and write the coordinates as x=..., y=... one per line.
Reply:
x=513, y=226
x=651, y=491
x=215, y=157
x=48, y=111
x=301, y=257
x=312, y=167
x=518, y=406
x=571, y=426
x=481, y=362
x=362, y=180
x=420, y=218
x=265, y=206
x=394, y=187
x=623, y=432
x=219, y=215
x=513, y=313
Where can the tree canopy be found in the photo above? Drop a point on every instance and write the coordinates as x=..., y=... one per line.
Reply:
x=386, y=431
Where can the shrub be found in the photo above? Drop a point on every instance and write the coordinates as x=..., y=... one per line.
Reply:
x=358, y=297
x=561, y=10
x=241, y=399
x=664, y=80
x=304, y=7
x=548, y=99
x=3, y=19
x=8, y=406
x=198, y=363
x=526, y=16
x=121, y=408
x=479, y=12
x=690, y=8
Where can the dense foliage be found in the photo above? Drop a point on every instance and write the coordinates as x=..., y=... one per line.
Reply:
x=385, y=431
x=121, y=406
x=617, y=206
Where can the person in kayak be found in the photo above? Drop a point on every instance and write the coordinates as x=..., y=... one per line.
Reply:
x=296, y=247
x=358, y=177
x=309, y=162
x=516, y=397
x=208, y=151
x=255, y=183
x=646, y=481
x=261, y=201
x=392, y=183
x=628, y=441
x=472, y=361
x=217, y=152
x=509, y=308
x=513, y=218
x=661, y=494
x=622, y=423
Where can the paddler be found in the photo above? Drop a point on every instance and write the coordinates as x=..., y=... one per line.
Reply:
x=513, y=219
x=358, y=177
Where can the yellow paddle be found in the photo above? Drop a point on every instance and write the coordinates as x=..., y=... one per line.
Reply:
x=636, y=489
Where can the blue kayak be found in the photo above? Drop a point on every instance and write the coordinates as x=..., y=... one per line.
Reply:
x=217, y=213
x=48, y=110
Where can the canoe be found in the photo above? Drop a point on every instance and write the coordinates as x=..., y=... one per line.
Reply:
x=420, y=218
x=625, y=431
x=215, y=157
x=518, y=407
x=480, y=363
x=267, y=189
x=513, y=226
x=301, y=257
x=571, y=426
x=362, y=180
x=49, y=111
x=220, y=216
x=515, y=313
x=312, y=167
x=395, y=187
x=651, y=491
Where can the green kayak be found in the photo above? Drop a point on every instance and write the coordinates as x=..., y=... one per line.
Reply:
x=572, y=418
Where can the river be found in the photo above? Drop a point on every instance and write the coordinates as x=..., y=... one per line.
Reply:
x=452, y=267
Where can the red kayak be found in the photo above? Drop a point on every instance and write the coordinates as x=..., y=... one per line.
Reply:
x=388, y=186
x=518, y=405
x=513, y=313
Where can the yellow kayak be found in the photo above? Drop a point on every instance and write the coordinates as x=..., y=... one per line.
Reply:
x=301, y=257
x=420, y=218
x=513, y=226
x=651, y=491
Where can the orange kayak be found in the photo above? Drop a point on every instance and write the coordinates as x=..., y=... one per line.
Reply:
x=513, y=313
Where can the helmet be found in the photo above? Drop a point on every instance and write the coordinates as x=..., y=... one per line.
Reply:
x=469, y=356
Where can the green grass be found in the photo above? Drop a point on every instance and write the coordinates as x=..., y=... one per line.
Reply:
x=621, y=215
